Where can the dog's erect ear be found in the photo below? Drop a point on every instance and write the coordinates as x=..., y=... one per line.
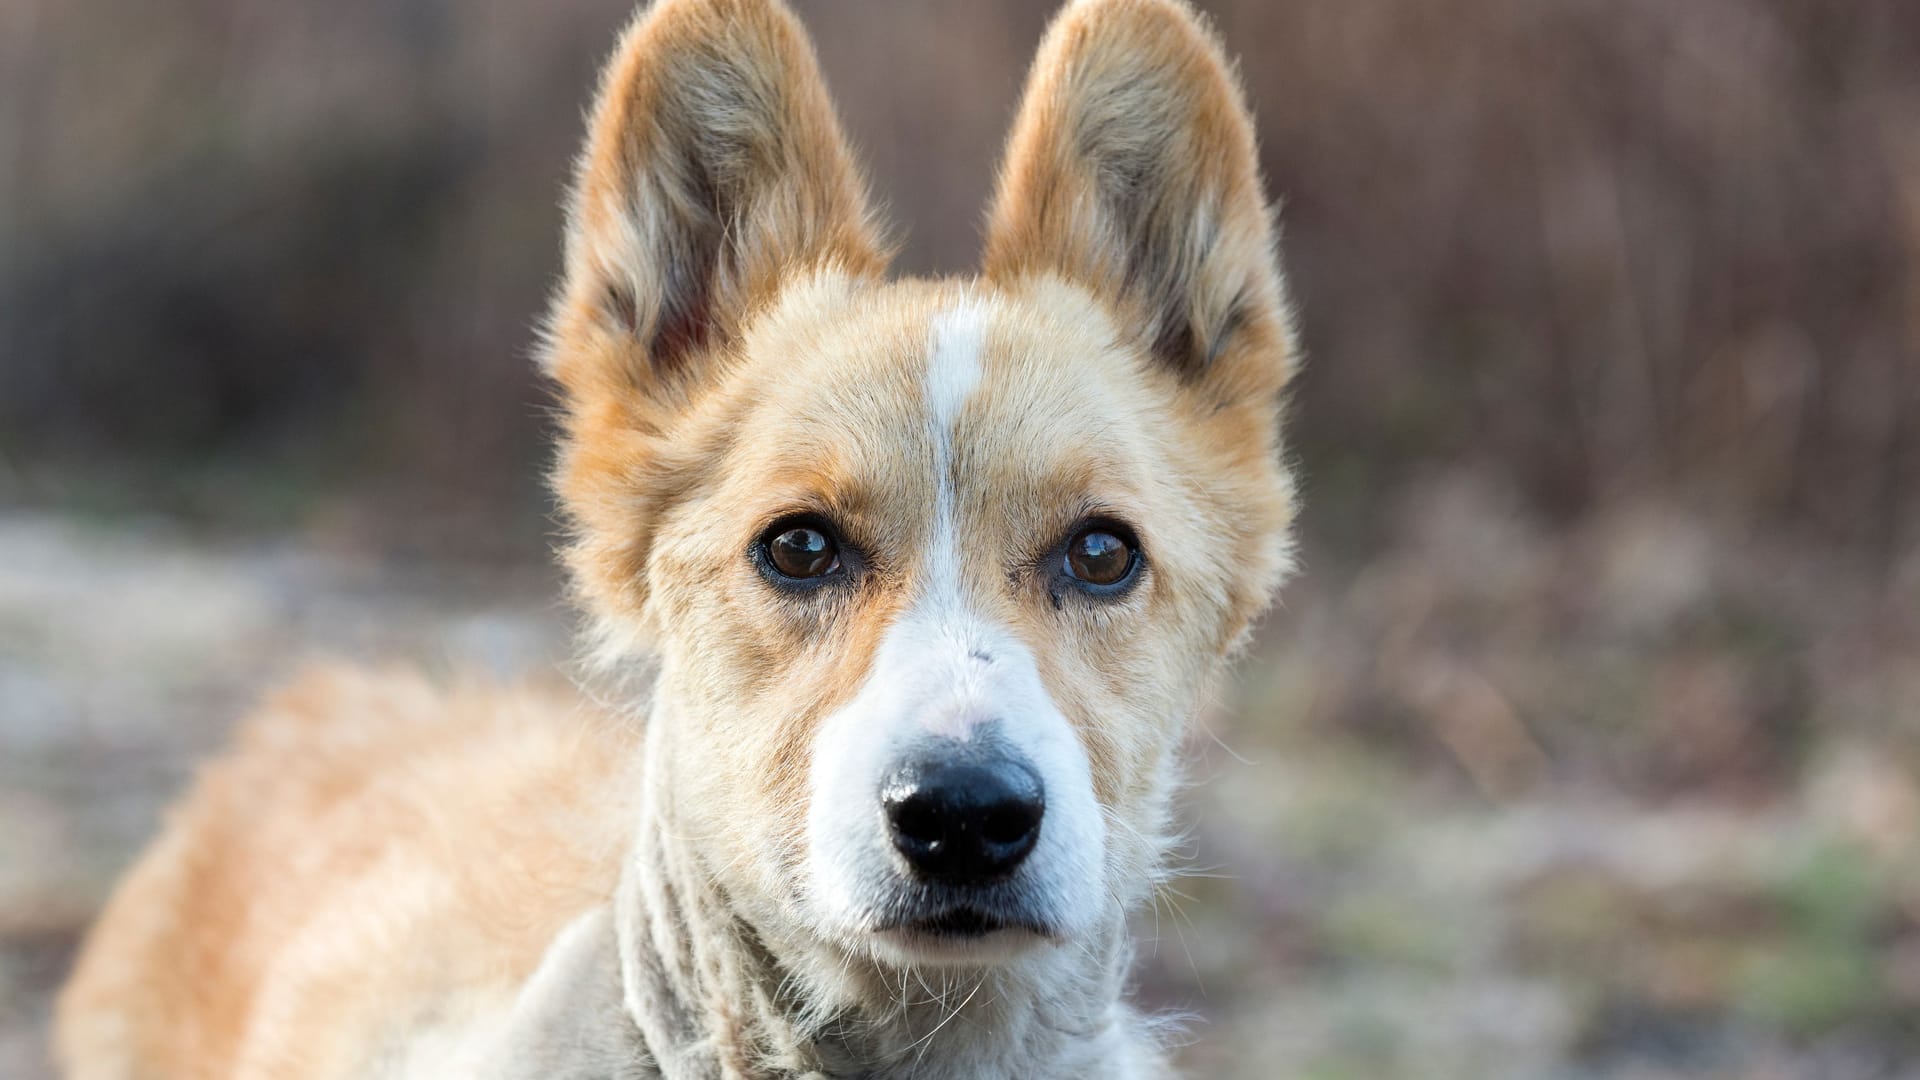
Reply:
x=1131, y=171
x=714, y=166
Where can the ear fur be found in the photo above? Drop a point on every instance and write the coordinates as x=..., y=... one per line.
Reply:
x=1132, y=172
x=714, y=167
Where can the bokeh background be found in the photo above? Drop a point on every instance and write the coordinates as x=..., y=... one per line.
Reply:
x=1587, y=745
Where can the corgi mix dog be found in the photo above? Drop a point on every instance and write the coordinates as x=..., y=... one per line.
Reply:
x=917, y=583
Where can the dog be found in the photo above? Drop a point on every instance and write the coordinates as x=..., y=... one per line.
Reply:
x=916, y=585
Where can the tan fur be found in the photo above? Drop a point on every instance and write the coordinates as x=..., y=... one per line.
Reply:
x=373, y=851
x=376, y=862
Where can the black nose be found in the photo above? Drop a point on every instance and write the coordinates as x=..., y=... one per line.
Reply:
x=964, y=818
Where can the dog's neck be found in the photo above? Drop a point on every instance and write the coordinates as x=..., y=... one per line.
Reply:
x=711, y=996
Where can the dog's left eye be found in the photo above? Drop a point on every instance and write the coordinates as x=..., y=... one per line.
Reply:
x=1101, y=556
x=800, y=551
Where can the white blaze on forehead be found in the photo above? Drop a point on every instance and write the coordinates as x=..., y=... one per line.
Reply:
x=953, y=372
x=953, y=365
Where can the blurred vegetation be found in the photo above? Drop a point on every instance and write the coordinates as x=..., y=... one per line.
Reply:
x=1587, y=746
x=1603, y=248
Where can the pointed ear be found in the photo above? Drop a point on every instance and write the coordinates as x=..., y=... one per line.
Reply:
x=714, y=167
x=1132, y=172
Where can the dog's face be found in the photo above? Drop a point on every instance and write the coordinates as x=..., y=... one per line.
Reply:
x=936, y=571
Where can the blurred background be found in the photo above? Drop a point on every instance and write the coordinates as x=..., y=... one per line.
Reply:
x=1586, y=746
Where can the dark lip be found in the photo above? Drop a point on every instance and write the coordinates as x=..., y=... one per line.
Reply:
x=962, y=922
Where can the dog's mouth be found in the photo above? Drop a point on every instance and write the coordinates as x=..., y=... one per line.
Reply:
x=963, y=933
x=963, y=922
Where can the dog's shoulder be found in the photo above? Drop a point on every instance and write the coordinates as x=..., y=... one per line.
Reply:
x=570, y=1021
x=377, y=854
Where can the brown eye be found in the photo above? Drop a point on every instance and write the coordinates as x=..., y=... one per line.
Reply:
x=1099, y=557
x=802, y=551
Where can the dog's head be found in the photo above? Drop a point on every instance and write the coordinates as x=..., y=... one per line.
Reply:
x=935, y=572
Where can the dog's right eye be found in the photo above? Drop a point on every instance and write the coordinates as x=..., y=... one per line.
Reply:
x=801, y=551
